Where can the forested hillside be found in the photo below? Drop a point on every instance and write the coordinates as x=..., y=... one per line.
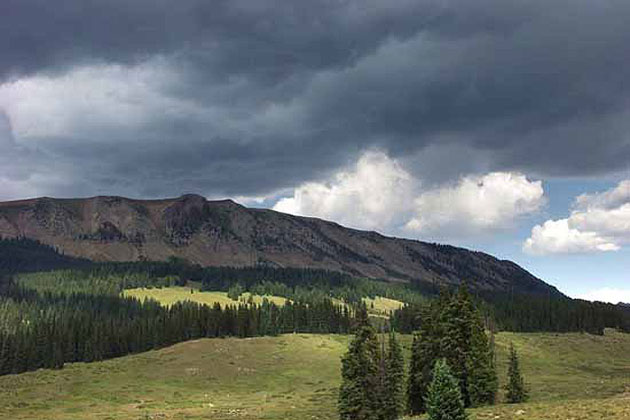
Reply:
x=22, y=254
x=224, y=233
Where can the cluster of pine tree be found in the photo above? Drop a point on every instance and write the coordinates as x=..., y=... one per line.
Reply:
x=46, y=330
x=372, y=376
x=452, y=331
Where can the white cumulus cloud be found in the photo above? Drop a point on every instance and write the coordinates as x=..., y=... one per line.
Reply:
x=379, y=193
x=475, y=203
x=557, y=236
x=598, y=223
x=610, y=199
x=371, y=195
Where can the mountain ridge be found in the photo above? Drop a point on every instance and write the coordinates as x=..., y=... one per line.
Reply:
x=223, y=232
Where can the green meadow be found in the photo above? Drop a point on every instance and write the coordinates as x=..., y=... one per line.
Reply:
x=170, y=295
x=296, y=376
x=378, y=306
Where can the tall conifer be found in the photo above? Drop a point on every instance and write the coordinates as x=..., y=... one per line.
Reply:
x=415, y=381
x=456, y=339
x=444, y=400
x=393, y=389
x=359, y=397
x=482, y=377
x=515, y=388
x=426, y=349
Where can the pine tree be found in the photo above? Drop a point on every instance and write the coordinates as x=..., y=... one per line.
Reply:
x=393, y=387
x=235, y=292
x=361, y=316
x=444, y=400
x=482, y=377
x=425, y=351
x=415, y=382
x=515, y=388
x=359, y=392
x=456, y=337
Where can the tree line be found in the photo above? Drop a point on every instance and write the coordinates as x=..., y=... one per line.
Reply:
x=532, y=313
x=23, y=254
x=46, y=330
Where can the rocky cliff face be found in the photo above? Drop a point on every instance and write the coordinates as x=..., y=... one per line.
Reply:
x=213, y=233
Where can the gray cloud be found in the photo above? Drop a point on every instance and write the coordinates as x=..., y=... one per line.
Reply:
x=249, y=98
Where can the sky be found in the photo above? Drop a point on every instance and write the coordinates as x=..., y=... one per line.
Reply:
x=502, y=126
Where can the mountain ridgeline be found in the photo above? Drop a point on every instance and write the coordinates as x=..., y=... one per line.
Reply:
x=224, y=233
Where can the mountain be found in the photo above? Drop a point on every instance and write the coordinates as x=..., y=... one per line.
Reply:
x=224, y=233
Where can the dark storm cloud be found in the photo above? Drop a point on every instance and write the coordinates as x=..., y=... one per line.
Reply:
x=262, y=39
x=288, y=91
x=218, y=168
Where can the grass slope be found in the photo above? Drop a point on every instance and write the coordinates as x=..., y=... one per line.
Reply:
x=574, y=376
x=382, y=305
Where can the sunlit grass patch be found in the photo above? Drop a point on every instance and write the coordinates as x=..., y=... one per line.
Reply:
x=382, y=305
x=169, y=295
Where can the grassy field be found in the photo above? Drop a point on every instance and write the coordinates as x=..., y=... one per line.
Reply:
x=571, y=376
x=169, y=295
x=382, y=305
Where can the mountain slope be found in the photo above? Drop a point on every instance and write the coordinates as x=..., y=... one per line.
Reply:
x=213, y=233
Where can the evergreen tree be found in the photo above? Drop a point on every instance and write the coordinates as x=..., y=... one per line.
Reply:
x=456, y=337
x=482, y=376
x=515, y=388
x=361, y=316
x=425, y=350
x=416, y=387
x=452, y=328
x=235, y=292
x=393, y=387
x=444, y=400
x=359, y=395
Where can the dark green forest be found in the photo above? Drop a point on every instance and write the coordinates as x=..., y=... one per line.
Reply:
x=26, y=255
x=527, y=313
x=47, y=329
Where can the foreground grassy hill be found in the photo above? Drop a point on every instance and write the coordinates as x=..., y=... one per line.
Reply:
x=571, y=376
